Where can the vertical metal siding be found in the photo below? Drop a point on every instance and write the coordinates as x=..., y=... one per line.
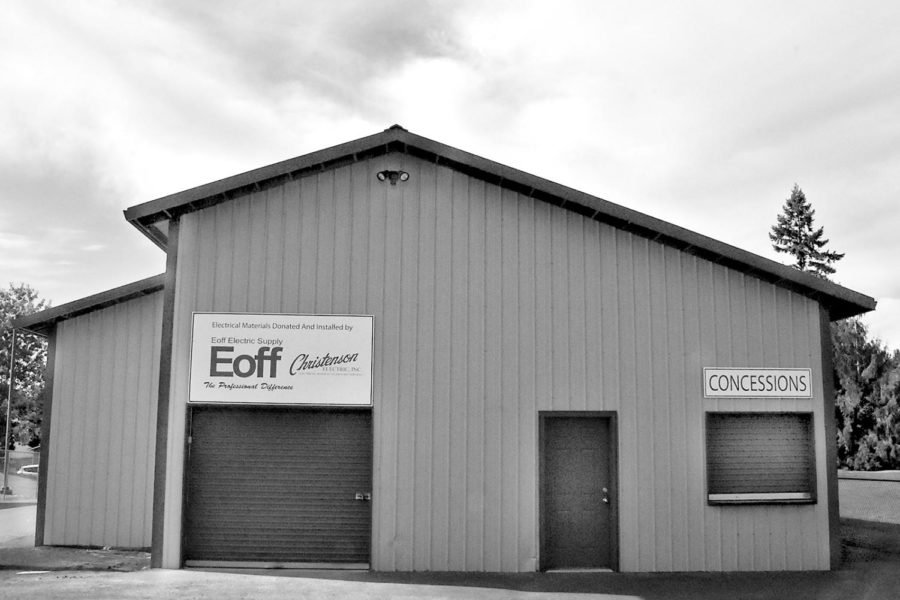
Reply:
x=100, y=476
x=490, y=306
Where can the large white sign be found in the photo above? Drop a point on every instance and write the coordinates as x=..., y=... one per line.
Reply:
x=281, y=359
x=757, y=383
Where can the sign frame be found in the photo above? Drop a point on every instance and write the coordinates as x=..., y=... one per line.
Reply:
x=246, y=369
x=775, y=382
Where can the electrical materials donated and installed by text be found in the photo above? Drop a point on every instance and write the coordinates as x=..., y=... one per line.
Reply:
x=281, y=359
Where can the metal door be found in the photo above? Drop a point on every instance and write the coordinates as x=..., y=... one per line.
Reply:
x=578, y=529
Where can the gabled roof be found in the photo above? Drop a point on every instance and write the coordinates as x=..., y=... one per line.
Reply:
x=41, y=322
x=152, y=218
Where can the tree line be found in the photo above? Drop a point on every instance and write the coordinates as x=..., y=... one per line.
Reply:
x=866, y=373
x=30, y=357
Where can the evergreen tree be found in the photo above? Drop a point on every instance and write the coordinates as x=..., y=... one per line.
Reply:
x=866, y=374
x=867, y=394
x=794, y=234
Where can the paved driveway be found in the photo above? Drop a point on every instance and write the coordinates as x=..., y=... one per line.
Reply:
x=17, y=526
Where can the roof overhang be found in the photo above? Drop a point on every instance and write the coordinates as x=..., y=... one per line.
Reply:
x=152, y=218
x=43, y=322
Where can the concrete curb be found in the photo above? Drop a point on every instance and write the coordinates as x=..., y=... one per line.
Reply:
x=15, y=503
x=869, y=475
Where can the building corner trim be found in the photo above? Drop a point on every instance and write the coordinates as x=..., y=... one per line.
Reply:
x=43, y=475
x=831, y=481
x=162, y=412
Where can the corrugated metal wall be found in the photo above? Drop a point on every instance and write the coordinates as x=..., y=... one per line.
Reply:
x=490, y=306
x=100, y=477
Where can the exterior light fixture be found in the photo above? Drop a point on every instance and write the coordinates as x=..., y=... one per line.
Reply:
x=392, y=176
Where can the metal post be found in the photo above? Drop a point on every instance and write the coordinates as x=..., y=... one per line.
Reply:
x=6, y=491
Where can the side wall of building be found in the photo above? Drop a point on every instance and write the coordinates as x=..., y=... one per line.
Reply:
x=100, y=473
x=489, y=307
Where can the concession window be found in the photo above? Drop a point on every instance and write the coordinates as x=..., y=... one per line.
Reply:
x=760, y=458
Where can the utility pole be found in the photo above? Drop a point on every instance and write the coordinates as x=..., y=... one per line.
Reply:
x=5, y=490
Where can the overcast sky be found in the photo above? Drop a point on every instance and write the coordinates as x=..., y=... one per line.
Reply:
x=704, y=114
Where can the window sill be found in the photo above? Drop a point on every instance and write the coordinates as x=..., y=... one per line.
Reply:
x=764, y=498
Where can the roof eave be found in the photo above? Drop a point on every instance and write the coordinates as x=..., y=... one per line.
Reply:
x=197, y=197
x=42, y=322
x=839, y=301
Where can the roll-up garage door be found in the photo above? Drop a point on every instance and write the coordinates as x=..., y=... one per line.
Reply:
x=278, y=486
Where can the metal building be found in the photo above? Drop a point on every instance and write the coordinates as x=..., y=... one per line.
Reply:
x=395, y=354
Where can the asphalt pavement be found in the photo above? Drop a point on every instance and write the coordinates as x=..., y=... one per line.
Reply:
x=17, y=526
x=17, y=512
x=24, y=488
x=870, y=576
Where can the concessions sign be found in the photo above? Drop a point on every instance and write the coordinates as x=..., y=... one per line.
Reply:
x=757, y=383
x=281, y=359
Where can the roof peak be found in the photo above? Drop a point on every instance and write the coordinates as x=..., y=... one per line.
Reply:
x=152, y=218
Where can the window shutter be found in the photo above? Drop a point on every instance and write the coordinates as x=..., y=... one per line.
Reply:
x=760, y=457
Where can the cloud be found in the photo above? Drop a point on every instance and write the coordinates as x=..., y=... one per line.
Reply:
x=883, y=323
x=13, y=241
x=326, y=49
x=55, y=210
x=200, y=92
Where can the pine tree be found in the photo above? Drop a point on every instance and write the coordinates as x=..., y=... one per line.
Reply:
x=794, y=234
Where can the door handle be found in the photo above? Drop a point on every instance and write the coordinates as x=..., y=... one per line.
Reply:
x=363, y=496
